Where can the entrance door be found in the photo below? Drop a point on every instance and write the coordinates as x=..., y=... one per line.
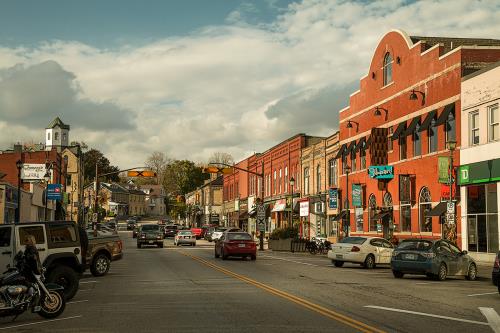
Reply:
x=6, y=247
x=386, y=226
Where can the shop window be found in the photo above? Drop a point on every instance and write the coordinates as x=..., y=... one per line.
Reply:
x=450, y=128
x=402, y=147
x=494, y=123
x=474, y=128
x=425, y=206
x=417, y=144
x=372, y=208
x=387, y=68
x=482, y=218
x=432, y=136
x=358, y=214
x=405, y=217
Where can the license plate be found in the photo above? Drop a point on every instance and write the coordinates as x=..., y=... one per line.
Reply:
x=339, y=256
x=241, y=245
x=410, y=257
x=150, y=242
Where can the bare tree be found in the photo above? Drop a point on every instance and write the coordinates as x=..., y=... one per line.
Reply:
x=158, y=162
x=221, y=158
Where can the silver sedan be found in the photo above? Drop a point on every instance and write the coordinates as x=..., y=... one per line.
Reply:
x=185, y=237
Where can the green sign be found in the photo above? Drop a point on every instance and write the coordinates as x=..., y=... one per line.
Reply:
x=444, y=169
x=464, y=174
x=357, y=194
x=481, y=172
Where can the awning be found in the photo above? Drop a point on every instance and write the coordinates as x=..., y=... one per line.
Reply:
x=368, y=141
x=279, y=206
x=443, y=117
x=351, y=146
x=381, y=215
x=413, y=126
x=244, y=215
x=340, y=216
x=361, y=145
x=438, y=210
x=399, y=130
x=341, y=151
x=427, y=122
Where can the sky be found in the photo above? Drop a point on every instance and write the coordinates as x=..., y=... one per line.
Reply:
x=190, y=78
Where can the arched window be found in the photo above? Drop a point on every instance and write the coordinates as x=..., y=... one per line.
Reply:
x=387, y=69
x=372, y=208
x=424, y=207
x=387, y=200
x=318, y=179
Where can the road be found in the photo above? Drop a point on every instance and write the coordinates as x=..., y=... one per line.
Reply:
x=187, y=290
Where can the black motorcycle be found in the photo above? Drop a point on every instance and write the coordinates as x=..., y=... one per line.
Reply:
x=22, y=289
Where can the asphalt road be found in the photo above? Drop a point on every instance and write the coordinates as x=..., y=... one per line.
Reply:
x=186, y=289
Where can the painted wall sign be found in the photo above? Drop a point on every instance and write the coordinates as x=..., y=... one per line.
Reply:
x=381, y=171
x=333, y=201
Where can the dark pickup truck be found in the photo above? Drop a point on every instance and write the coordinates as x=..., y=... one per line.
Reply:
x=103, y=248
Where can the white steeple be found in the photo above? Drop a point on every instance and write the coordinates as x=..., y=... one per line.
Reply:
x=56, y=135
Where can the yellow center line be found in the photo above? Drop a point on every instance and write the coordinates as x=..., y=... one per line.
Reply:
x=362, y=327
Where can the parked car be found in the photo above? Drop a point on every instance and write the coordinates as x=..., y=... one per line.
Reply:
x=171, y=230
x=131, y=224
x=433, y=258
x=102, y=249
x=235, y=243
x=495, y=274
x=185, y=237
x=112, y=225
x=367, y=251
x=219, y=231
x=208, y=233
x=196, y=232
x=135, y=231
x=150, y=234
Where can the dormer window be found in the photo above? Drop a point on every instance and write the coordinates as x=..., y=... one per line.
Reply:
x=56, y=136
x=387, y=68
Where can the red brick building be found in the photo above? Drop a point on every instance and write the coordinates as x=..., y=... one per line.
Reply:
x=407, y=108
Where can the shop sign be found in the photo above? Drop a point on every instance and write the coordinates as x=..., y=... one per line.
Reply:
x=464, y=174
x=54, y=192
x=480, y=172
x=357, y=194
x=443, y=169
x=381, y=171
x=33, y=172
x=304, y=208
x=445, y=191
x=333, y=201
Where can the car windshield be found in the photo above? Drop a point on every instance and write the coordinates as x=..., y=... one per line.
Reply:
x=185, y=233
x=221, y=229
x=415, y=245
x=353, y=240
x=150, y=227
x=238, y=236
x=172, y=227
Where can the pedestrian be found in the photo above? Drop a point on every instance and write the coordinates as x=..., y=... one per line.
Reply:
x=84, y=241
x=31, y=254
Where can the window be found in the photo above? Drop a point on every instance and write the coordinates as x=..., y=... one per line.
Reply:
x=48, y=136
x=332, y=180
x=353, y=160
x=344, y=163
x=306, y=181
x=362, y=157
x=474, y=128
x=432, y=136
x=482, y=218
x=387, y=69
x=493, y=123
x=372, y=208
x=450, y=128
x=280, y=182
x=425, y=206
x=274, y=182
x=5, y=235
x=389, y=138
x=64, y=136
x=56, y=136
x=402, y=147
x=318, y=179
x=358, y=215
x=417, y=144
x=286, y=179
x=405, y=209
x=36, y=231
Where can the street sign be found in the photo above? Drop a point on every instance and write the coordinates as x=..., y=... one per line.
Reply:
x=261, y=212
x=54, y=191
x=261, y=225
x=141, y=173
x=450, y=218
x=94, y=217
x=450, y=207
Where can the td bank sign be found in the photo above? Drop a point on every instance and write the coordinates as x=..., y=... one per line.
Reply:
x=481, y=172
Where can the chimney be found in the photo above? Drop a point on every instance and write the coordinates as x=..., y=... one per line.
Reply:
x=18, y=148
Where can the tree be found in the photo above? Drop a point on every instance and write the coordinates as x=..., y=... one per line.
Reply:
x=158, y=162
x=93, y=157
x=221, y=158
x=181, y=177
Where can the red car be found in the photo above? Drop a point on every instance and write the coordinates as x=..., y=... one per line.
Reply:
x=196, y=232
x=235, y=244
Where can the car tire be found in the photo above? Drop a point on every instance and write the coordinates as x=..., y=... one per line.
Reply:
x=338, y=263
x=253, y=257
x=194, y=244
x=471, y=272
x=369, y=262
x=100, y=265
x=67, y=278
x=160, y=245
x=223, y=255
x=442, y=272
x=398, y=274
x=216, y=255
x=139, y=245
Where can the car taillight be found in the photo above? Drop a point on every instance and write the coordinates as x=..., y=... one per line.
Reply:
x=143, y=236
x=497, y=263
x=355, y=249
x=120, y=245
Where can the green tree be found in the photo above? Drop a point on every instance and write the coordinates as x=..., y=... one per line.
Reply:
x=181, y=177
x=93, y=157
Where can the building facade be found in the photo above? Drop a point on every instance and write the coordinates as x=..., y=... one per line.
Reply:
x=137, y=202
x=479, y=172
x=155, y=200
x=394, y=136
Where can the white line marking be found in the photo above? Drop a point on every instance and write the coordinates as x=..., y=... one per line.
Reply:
x=39, y=322
x=83, y=300
x=496, y=292
x=427, y=315
x=89, y=282
x=422, y=283
x=85, y=289
x=294, y=261
x=492, y=317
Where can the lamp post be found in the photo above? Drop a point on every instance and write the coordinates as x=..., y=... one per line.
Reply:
x=47, y=179
x=451, y=145
x=19, y=165
x=292, y=183
x=348, y=214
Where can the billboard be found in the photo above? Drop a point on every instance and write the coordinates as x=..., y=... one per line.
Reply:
x=33, y=172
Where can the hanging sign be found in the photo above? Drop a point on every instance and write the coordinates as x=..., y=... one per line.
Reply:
x=444, y=169
x=357, y=194
x=304, y=208
x=333, y=198
x=54, y=192
x=381, y=171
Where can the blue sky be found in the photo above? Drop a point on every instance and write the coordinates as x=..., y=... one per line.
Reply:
x=110, y=23
x=190, y=78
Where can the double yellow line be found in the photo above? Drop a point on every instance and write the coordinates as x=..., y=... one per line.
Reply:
x=362, y=327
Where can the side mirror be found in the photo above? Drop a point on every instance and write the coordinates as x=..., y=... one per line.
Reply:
x=464, y=252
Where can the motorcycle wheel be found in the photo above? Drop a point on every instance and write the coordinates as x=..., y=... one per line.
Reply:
x=53, y=305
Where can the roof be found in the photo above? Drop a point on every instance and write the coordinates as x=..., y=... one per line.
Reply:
x=138, y=192
x=451, y=43
x=484, y=70
x=58, y=122
x=113, y=187
x=218, y=181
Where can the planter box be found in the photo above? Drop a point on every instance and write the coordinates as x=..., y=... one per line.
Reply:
x=280, y=244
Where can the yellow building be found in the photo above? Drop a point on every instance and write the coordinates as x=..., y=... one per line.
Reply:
x=74, y=181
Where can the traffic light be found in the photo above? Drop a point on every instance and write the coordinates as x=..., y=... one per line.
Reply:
x=141, y=173
x=214, y=169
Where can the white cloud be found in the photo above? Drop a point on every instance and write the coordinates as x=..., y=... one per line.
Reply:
x=237, y=88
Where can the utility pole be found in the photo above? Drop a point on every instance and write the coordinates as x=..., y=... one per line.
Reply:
x=96, y=200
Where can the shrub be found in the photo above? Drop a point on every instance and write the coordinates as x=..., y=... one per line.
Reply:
x=284, y=233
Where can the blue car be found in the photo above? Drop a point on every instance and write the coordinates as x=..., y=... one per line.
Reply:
x=433, y=258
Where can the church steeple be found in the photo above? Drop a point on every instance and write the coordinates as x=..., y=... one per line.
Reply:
x=56, y=135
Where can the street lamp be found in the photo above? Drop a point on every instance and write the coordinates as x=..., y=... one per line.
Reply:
x=46, y=177
x=414, y=97
x=292, y=183
x=348, y=215
x=451, y=145
x=19, y=165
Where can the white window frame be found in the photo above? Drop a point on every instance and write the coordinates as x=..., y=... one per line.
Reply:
x=472, y=129
x=385, y=66
x=491, y=126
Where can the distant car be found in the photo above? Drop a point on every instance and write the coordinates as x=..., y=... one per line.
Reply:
x=208, y=234
x=235, y=243
x=112, y=224
x=185, y=237
x=433, y=258
x=219, y=231
x=196, y=232
x=135, y=231
x=131, y=224
x=367, y=251
x=150, y=234
x=171, y=230
x=495, y=274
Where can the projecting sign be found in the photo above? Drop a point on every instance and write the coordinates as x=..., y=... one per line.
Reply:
x=54, y=191
x=357, y=193
x=381, y=172
x=304, y=208
x=333, y=198
x=33, y=172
